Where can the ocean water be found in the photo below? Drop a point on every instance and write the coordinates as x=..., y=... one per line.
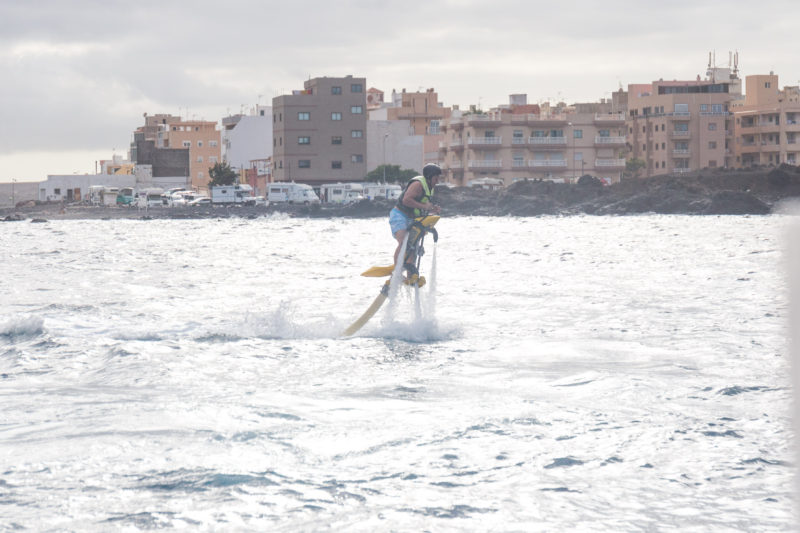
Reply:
x=555, y=374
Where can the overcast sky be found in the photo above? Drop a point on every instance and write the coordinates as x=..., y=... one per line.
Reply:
x=77, y=75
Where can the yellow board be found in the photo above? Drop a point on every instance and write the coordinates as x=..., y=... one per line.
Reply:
x=369, y=313
x=383, y=271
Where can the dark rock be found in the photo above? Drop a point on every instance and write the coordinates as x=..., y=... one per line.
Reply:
x=735, y=203
x=38, y=220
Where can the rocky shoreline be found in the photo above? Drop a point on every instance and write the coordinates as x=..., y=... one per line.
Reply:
x=707, y=192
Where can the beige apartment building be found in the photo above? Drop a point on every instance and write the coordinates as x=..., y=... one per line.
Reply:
x=319, y=133
x=680, y=126
x=421, y=109
x=202, y=138
x=767, y=124
x=520, y=141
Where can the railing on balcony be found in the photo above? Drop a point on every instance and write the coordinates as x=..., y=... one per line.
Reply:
x=518, y=140
x=538, y=163
x=546, y=118
x=715, y=113
x=486, y=140
x=680, y=133
x=609, y=117
x=451, y=144
x=486, y=163
x=609, y=140
x=455, y=165
x=605, y=163
x=680, y=115
x=557, y=141
x=680, y=152
x=681, y=170
x=519, y=163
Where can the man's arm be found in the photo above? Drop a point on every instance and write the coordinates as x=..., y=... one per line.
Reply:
x=410, y=199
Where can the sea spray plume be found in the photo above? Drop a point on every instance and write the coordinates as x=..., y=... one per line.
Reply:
x=22, y=327
x=284, y=322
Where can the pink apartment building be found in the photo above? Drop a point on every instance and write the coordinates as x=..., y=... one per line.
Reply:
x=520, y=141
x=767, y=123
x=680, y=126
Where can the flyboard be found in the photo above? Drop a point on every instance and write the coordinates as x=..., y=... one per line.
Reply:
x=414, y=252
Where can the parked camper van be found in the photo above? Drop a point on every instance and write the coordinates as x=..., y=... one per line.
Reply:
x=293, y=193
x=147, y=198
x=125, y=196
x=382, y=190
x=231, y=194
x=342, y=193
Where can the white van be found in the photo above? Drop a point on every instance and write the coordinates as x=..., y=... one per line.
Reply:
x=342, y=193
x=293, y=193
x=231, y=194
x=147, y=198
x=382, y=190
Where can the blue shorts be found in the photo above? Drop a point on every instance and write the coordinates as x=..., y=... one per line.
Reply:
x=399, y=220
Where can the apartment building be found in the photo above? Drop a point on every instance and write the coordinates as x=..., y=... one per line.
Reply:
x=767, y=124
x=422, y=109
x=520, y=141
x=247, y=137
x=319, y=133
x=680, y=126
x=202, y=139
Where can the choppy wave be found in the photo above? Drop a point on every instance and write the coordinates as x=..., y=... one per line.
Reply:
x=30, y=326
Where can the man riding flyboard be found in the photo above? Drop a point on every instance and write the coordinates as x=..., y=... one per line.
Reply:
x=414, y=202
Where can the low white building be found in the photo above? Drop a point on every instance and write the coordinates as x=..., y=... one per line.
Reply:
x=75, y=187
x=247, y=138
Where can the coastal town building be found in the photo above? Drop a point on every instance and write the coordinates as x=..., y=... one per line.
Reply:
x=75, y=187
x=176, y=148
x=520, y=141
x=767, y=123
x=319, y=133
x=680, y=126
x=247, y=137
x=202, y=139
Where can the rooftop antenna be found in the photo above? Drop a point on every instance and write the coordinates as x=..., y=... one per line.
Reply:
x=736, y=62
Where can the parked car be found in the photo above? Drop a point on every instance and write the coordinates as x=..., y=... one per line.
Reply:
x=202, y=200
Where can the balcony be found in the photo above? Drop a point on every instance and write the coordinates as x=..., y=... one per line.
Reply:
x=681, y=170
x=609, y=141
x=546, y=120
x=547, y=163
x=519, y=163
x=609, y=118
x=485, y=142
x=681, y=134
x=681, y=152
x=680, y=115
x=483, y=120
x=547, y=143
x=518, y=141
x=609, y=163
x=484, y=164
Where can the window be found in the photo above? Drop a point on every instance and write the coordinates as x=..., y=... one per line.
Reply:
x=356, y=109
x=212, y=159
x=578, y=156
x=356, y=88
x=556, y=133
x=336, y=164
x=578, y=134
x=717, y=108
x=336, y=140
x=712, y=164
x=767, y=84
x=357, y=158
x=336, y=90
x=304, y=140
x=56, y=191
x=703, y=108
x=712, y=126
x=304, y=163
x=303, y=115
x=336, y=116
x=199, y=144
x=199, y=158
x=682, y=109
x=357, y=134
x=604, y=133
x=187, y=144
x=712, y=145
x=212, y=144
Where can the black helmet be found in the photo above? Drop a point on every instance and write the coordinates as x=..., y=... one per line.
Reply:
x=430, y=170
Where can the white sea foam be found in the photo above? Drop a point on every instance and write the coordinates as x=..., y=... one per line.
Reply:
x=26, y=326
